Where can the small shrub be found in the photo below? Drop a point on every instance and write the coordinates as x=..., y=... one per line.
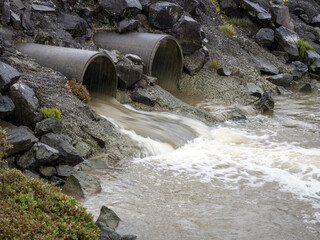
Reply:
x=51, y=113
x=303, y=46
x=118, y=52
x=78, y=90
x=214, y=64
x=240, y=22
x=227, y=29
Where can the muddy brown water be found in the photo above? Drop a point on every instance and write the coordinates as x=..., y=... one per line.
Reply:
x=256, y=179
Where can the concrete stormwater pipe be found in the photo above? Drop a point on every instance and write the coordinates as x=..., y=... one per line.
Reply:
x=95, y=70
x=161, y=53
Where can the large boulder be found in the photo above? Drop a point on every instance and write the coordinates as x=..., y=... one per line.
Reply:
x=164, y=15
x=142, y=96
x=230, y=7
x=265, y=37
x=21, y=139
x=281, y=16
x=48, y=125
x=107, y=233
x=315, y=21
x=68, y=154
x=188, y=32
x=190, y=5
x=8, y=76
x=266, y=102
x=264, y=65
x=47, y=172
x=315, y=67
x=287, y=41
x=109, y=217
x=26, y=104
x=255, y=10
x=283, y=79
x=65, y=171
x=74, y=24
x=27, y=23
x=310, y=56
x=118, y=8
x=128, y=73
x=5, y=11
x=299, y=69
x=6, y=106
x=80, y=185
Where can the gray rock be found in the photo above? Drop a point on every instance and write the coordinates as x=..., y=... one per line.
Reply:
x=255, y=10
x=287, y=41
x=44, y=154
x=264, y=65
x=310, y=56
x=164, y=15
x=315, y=21
x=265, y=37
x=27, y=23
x=74, y=24
x=236, y=115
x=283, y=91
x=223, y=71
x=8, y=76
x=298, y=11
x=299, y=69
x=283, y=79
x=264, y=19
x=58, y=182
x=190, y=5
x=266, y=102
x=142, y=96
x=19, y=5
x=128, y=73
x=308, y=88
x=26, y=104
x=47, y=172
x=254, y=90
x=315, y=67
x=194, y=63
x=117, y=8
x=15, y=20
x=42, y=8
x=305, y=18
x=108, y=217
x=80, y=185
x=134, y=58
x=5, y=12
x=127, y=25
x=107, y=233
x=83, y=148
x=113, y=54
x=230, y=7
x=6, y=106
x=31, y=174
x=65, y=170
x=68, y=154
x=281, y=16
x=48, y=125
x=188, y=32
x=21, y=140
x=94, y=163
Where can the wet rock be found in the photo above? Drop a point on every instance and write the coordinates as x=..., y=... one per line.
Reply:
x=265, y=37
x=308, y=88
x=283, y=79
x=8, y=76
x=315, y=21
x=142, y=96
x=108, y=217
x=83, y=148
x=281, y=16
x=223, y=71
x=5, y=12
x=26, y=19
x=21, y=140
x=48, y=125
x=42, y=8
x=65, y=171
x=6, y=106
x=26, y=104
x=264, y=65
x=56, y=181
x=80, y=185
x=254, y=90
x=310, y=56
x=94, y=163
x=68, y=154
x=283, y=91
x=299, y=69
x=47, y=172
x=164, y=15
x=107, y=233
x=128, y=73
x=266, y=102
x=117, y=8
x=287, y=41
x=188, y=32
x=74, y=24
x=127, y=25
x=236, y=115
x=194, y=63
x=15, y=20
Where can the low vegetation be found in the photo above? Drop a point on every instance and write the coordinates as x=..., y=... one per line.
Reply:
x=214, y=64
x=303, y=46
x=227, y=29
x=51, y=113
x=240, y=22
x=78, y=90
x=32, y=210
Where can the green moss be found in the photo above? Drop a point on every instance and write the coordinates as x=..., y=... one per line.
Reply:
x=51, y=113
x=240, y=22
x=303, y=46
x=78, y=90
x=214, y=64
x=227, y=29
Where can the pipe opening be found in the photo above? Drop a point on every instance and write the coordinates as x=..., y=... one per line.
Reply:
x=167, y=64
x=100, y=76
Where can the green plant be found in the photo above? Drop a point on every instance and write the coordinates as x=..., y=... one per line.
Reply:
x=214, y=64
x=227, y=29
x=78, y=90
x=240, y=22
x=51, y=113
x=303, y=46
x=4, y=147
x=118, y=52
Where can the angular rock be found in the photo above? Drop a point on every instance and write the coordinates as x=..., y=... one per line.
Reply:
x=315, y=21
x=283, y=91
x=265, y=37
x=5, y=12
x=108, y=217
x=298, y=11
x=68, y=154
x=47, y=172
x=188, y=32
x=97, y=162
x=44, y=154
x=26, y=104
x=194, y=63
x=56, y=181
x=65, y=171
x=80, y=185
x=42, y=8
x=310, y=56
x=8, y=76
x=164, y=15
x=299, y=69
x=308, y=88
x=223, y=71
x=266, y=102
x=48, y=125
x=305, y=18
x=190, y=5
x=74, y=24
x=315, y=67
x=287, y=41
x=31, y=174
x=236, y=115
x=142, y=96
x=19, y=5
x=118, y=8
x=264, y=65
x=26, y=18
x=135, y=59
x=21, y=140
x=283, y=79
x=127, y=25
x=6, y=106
x=107, y=233
x=255, y=10
x=254, y=90
x=231, y=8
x=281, y=16
x=113, y=54
x=15, y=20
x=128, y=73
x=264, y=19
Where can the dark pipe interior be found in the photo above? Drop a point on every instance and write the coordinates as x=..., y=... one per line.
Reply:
x=100, y=77
x=167, y=64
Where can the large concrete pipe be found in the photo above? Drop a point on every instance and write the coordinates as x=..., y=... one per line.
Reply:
x=161, y=53
x=93, y=69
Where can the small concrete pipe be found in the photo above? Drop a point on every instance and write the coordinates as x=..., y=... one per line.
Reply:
x=161, y=53
x=95, y=70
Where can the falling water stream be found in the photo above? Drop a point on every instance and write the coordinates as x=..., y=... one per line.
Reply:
x=254, y=179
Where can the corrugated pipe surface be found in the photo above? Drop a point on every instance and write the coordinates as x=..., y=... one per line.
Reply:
x=93, y=69
x=161, y=53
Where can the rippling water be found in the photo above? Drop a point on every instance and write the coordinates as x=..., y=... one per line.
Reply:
x=256, y=179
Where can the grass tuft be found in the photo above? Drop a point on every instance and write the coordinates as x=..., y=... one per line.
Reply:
x=303, y=46
x=227, y=29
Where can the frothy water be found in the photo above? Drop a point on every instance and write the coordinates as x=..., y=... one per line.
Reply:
x=258, y=179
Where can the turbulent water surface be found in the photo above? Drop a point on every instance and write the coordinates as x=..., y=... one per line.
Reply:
x=256, y=179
